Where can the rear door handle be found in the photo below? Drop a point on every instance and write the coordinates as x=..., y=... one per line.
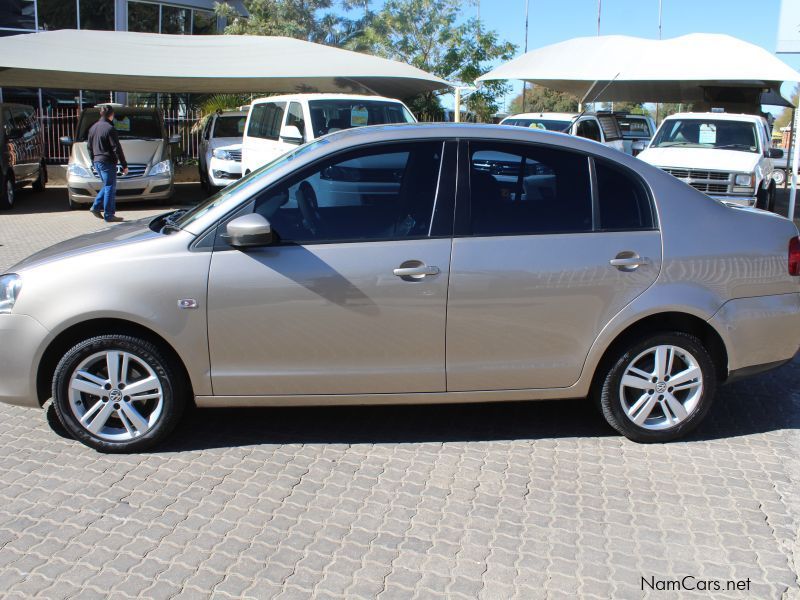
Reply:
x=629, y=263
x=417, y=272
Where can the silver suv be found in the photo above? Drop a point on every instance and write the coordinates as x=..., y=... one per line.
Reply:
x=409, y=264
x=146, y=146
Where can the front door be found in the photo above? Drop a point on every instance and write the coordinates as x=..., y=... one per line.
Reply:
x=531, y=282
x=353, y=298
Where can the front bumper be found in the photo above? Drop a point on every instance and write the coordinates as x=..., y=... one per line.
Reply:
x=223, y=172
x=748, y=201
x=156, y=187
x=759, y=331
x=21, y=338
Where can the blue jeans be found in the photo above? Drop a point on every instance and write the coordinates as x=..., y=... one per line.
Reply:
x=106, y=198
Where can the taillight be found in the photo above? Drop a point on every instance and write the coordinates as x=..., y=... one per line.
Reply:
x=794, y=256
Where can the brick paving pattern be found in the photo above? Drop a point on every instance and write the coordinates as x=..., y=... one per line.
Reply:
x=520, y=500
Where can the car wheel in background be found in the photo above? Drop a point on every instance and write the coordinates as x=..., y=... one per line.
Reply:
x=41, y=181
x=118, y=393
x=658, y=389
x=779, y=176
x=8, y=192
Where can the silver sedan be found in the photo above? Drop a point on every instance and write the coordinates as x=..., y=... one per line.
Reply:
x=409, y=264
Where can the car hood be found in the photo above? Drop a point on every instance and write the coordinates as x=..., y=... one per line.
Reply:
x=701, y=158
x=145, y=152
x=115, y=235
x=224, y=142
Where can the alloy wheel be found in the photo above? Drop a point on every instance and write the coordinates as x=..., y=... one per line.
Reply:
x=116, y=395
x=661, y=387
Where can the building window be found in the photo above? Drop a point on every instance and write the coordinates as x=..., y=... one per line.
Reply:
x=18, y=14
x=175, y=20
x=58, y=14
x=143, y=17
x=204, y=22
x=97, y=14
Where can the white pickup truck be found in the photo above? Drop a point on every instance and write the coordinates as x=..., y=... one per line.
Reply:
x=600, y=127
x=727, y=156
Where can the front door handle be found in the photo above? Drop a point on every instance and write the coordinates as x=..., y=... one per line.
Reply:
x=628, y=261
x=416, y=272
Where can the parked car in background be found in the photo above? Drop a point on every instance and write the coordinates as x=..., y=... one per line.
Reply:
x=614, y=285
x=637, y=131
x=220, y=151
x=600, y=127
x=277, y=123
x=727, y=156
x=22, y=158
x=147, y=148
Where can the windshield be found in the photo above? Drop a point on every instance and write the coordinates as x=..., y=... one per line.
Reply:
x=634, y=129
x=226, y=193
x=129, y=125
x=707, y=133
x=548, y=124
x=229, y=126
x=328, y=116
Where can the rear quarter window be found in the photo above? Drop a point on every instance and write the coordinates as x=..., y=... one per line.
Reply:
x=623, y=199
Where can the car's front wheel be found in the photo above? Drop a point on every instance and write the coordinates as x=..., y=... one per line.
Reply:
x=658, y=389
x=118, y=393
x=779, y=176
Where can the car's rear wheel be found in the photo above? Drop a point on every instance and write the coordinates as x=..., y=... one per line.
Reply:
x=658, y=389
x=41, y=181
x=118, y=393
x=8, y=192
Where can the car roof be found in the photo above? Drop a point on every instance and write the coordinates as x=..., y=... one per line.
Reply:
x=289, y=97
x=231, y=113
x=559, y=116
x=716, y=116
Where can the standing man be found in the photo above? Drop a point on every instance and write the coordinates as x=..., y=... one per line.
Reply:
x=105, y=151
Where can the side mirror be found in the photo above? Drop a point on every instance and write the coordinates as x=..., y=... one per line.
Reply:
x=65, y=140
x=774, y=153
x=638, y=146
x=249, y=231
x=175, y=139
x=291, y=134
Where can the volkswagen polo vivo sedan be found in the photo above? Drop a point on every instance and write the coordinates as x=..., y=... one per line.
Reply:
x=409, y=264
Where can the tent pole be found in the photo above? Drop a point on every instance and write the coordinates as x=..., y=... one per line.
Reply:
x=457, y=112
x=795, y=162
x=789, y=150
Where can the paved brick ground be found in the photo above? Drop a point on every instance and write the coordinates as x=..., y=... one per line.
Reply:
x=525, y=500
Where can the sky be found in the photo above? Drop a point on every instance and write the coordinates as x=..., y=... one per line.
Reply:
x=551, y=21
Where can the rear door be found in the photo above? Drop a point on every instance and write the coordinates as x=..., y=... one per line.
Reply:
x=531, y=278
x=262, y=139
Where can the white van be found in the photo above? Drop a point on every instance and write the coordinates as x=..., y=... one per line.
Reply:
x=278, y=123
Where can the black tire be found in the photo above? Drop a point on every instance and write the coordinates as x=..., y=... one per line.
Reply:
x=762, y=199
x=771, y=195
x=170, y=378
x=41, y=181
x=609, y=393
x=203, y=178
x=7, y=192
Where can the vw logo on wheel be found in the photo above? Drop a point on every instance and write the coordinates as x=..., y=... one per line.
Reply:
x=661, y=387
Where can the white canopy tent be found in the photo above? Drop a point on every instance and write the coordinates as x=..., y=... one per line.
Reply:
x=150, y=62
x=682, y=69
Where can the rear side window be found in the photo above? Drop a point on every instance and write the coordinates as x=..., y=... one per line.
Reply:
x=518, y=189
x=589, y=129
x=266, y=119
x=623, y=199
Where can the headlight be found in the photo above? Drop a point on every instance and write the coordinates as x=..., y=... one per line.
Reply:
x=222, y=154
x=79, y=171
x=744, y=180
x=162, y=167
x=10, y=285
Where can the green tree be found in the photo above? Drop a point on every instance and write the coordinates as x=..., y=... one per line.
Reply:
x=431, y=35
x=310, y=20
x=542, y=99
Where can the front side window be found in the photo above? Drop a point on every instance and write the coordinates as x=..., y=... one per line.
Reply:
x=265, y=120
x=519, y=189
x=622, y=198
x=381, y=193
x=715, y=134
x=328, y=116
x=294, y=116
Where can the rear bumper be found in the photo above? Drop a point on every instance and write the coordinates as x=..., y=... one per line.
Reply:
x=21, y=338
x=759, y=333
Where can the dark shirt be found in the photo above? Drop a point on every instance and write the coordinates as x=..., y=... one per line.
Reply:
x=103, y=144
